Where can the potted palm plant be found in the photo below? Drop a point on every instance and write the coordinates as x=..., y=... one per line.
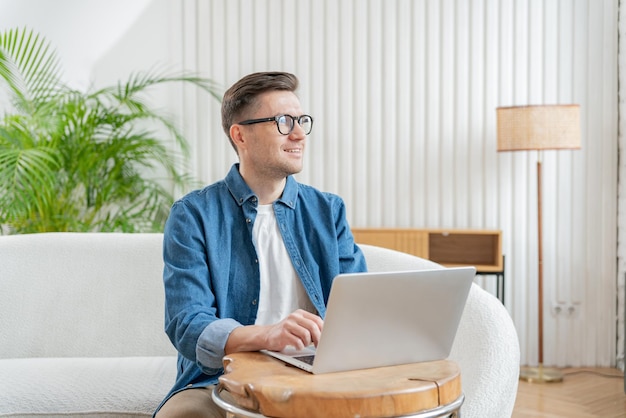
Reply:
x=75, y=160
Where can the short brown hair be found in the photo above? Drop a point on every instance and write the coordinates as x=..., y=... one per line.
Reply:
x=242, y=95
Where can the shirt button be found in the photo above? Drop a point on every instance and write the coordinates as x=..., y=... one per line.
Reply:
x=254, y=301
x=248, y=220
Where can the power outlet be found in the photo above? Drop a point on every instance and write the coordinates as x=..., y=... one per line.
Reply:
x=558, y=309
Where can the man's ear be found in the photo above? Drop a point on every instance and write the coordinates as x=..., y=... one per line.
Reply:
x=237, y=135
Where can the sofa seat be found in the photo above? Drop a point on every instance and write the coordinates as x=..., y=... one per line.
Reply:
x=85, y=387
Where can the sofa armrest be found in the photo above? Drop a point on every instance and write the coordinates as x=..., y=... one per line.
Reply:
x=486, y=346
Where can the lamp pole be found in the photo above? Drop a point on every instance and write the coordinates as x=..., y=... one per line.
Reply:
x=540, y=374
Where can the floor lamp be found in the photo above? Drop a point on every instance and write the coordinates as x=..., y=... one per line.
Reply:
x=549, y=127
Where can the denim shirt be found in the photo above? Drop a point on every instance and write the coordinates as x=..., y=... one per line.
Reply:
x=211, y=272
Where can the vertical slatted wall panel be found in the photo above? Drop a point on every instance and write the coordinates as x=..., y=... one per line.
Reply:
x=404, y=96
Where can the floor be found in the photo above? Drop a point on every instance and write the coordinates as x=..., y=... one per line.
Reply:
x=584, y=393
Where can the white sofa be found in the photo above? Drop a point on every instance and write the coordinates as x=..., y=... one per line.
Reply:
x=81, y=329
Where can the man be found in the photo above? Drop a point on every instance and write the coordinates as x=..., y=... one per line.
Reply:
x=249, y=260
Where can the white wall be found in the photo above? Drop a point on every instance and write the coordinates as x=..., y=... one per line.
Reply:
x=404, y=95
x=81, y=31
x=621, y=247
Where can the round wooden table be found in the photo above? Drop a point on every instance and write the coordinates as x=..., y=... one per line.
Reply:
x=261, y=386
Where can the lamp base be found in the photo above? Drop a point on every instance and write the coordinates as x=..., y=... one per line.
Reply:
x=540, y=374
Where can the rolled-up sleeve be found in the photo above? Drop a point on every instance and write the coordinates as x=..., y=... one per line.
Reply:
x=210, y=347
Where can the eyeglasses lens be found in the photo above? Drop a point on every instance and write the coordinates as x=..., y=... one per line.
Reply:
x=285, y=124
x=306, y=123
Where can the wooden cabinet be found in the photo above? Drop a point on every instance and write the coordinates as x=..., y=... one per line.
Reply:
x=449, y=247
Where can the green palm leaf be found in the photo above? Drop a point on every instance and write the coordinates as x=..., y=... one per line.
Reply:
x=30, y=68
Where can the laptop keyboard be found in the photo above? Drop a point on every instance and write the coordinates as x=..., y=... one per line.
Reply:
x=307, y=359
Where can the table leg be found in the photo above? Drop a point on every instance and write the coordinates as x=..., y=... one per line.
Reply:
x=232, y=411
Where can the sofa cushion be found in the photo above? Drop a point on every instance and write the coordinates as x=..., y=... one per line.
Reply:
x=102, y=387
x=106, y=288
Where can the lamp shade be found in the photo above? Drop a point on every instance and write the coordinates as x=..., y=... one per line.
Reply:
x=538, y=127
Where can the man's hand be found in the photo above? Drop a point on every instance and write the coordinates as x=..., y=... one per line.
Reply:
x=299, y=329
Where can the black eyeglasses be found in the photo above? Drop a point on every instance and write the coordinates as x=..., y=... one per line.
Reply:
x=285, y=123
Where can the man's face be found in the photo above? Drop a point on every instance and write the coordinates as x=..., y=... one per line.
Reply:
x=267, y=152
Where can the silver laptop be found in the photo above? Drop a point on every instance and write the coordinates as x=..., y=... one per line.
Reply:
x=386, y=319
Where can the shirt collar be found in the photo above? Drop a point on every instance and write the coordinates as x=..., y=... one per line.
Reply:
x=241, y=192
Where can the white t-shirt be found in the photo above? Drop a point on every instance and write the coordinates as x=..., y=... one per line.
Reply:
x=281, y=289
